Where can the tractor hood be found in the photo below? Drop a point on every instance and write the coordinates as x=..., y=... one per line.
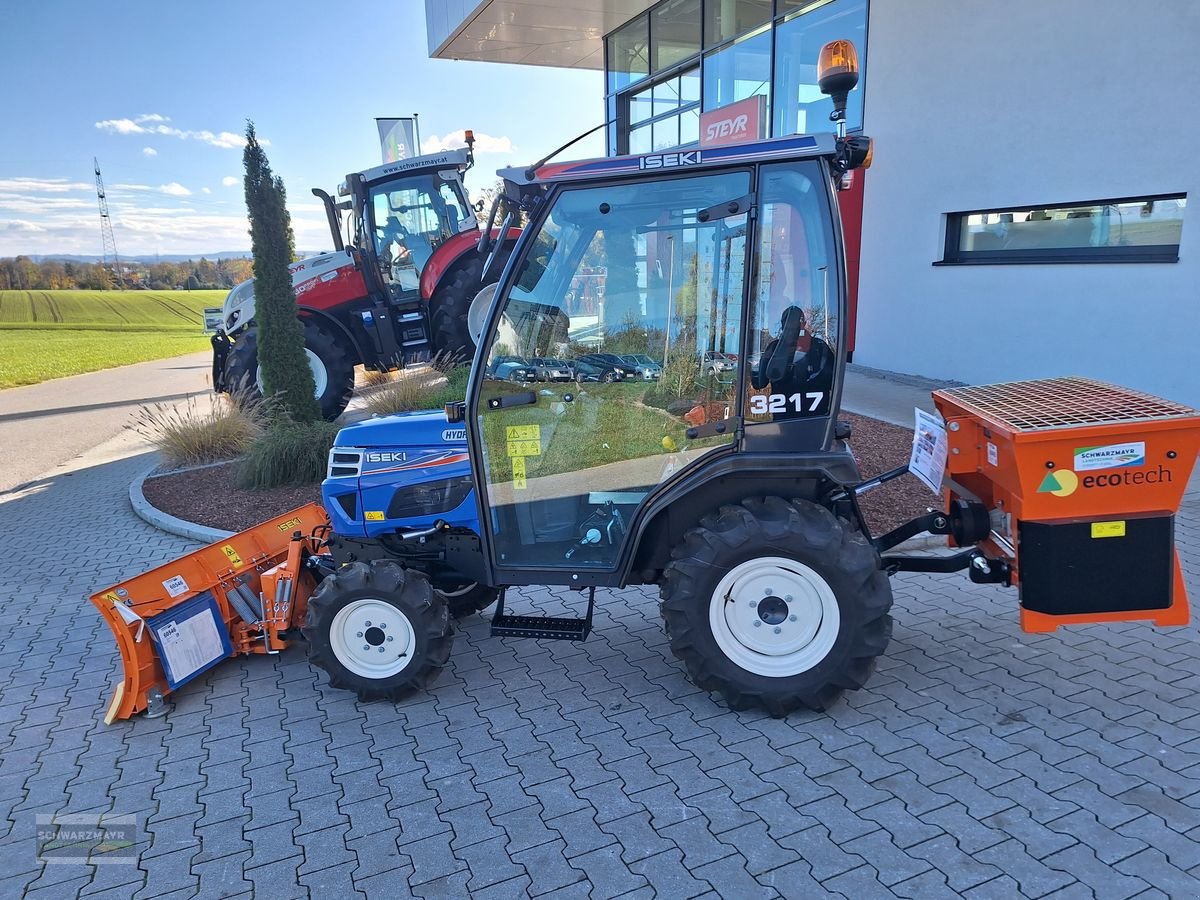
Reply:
x=396, y=473
x=316, y=273
x=424, y=429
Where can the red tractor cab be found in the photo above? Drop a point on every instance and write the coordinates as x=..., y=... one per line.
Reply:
x=393, y=293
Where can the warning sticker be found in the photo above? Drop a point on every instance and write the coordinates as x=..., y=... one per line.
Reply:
x=524, y=448
x=374, y=515
x=524, y=433
x=518, y=467
x=232, y=555
x=176, y=586
x=1108, y=529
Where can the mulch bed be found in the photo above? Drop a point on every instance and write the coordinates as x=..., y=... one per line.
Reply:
x=210, y=496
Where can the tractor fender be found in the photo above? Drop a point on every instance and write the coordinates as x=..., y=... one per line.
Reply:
x=678, y=505
x=336, y=327
x=448, y=255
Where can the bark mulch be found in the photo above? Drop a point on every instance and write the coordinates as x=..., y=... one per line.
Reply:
x=211, y=497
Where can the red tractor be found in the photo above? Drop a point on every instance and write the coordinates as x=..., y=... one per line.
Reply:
x=395, y=292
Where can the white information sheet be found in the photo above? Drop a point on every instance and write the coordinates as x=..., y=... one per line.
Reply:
x=190, y=644
x=929, y=450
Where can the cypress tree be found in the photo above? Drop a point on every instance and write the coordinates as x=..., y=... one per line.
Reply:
x=281, y=355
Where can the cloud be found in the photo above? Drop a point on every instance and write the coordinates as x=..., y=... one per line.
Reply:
x=44, y=185
x=149, y=151
x=175, y=189
x=153, y=123
x=484, y=143
x=206, y=190
x=129, y=187
x=21, y=225
x=229, y=181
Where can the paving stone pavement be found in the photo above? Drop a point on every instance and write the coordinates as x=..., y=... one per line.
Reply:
x=978, y=762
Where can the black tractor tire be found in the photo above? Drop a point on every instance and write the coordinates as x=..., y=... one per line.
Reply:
x=394, y=604
x=452, y=298
x=844, y=601
x=466, y=599
x=241, y=368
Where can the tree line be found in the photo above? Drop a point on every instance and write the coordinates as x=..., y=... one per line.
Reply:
x=21, y=273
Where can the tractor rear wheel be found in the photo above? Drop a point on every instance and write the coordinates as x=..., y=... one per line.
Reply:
x=452, y=298
x=776, y=605
x=378, y=629
x=332, y=368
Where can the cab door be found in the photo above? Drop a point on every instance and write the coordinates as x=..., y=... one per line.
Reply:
x=650, y=268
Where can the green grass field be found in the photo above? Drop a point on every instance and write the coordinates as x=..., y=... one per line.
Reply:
x=49, y=334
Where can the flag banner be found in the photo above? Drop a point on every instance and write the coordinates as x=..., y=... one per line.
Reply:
x=397, y=139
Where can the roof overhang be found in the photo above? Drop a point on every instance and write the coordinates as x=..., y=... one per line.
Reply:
x=563, y=33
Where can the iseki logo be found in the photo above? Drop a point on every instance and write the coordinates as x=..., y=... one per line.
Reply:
x=670, y=160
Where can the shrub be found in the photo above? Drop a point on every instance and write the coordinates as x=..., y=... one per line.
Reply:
x=288, y=453
x=417, y=390
x=196, y=433
x=281, y=355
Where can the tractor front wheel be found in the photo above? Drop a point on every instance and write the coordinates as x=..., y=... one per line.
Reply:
x=776, y=605
x=331, y=366
x=379, y=630
x=467, y=598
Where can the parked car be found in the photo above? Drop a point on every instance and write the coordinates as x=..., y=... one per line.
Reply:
x=714, y=363
x=548, y=369
x=612, y=361
x=647, y=369
x=511, y=368
x=586, y=370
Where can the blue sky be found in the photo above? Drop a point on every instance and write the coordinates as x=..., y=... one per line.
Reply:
x=172, y=84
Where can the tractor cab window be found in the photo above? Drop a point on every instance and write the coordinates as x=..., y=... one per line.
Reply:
x=636, y=290
x=412, y=216
x=793, y=330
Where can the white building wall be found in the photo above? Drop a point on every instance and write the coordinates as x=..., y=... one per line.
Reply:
x=982, y=105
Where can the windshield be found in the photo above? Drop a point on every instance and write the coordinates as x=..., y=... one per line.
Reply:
x=411, y=216
x=613, y=276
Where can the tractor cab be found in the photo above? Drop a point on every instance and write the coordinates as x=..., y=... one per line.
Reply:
x=730, y=254
x=403, y=212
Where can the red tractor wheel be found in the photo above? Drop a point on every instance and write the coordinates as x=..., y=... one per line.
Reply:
x=452, y=298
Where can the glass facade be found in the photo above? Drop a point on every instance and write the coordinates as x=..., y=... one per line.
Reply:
x=685, y=57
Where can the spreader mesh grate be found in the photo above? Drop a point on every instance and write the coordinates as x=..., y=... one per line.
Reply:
x=1062, y=403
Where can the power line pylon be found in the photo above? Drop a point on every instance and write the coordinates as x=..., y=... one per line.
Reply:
x=112, y=262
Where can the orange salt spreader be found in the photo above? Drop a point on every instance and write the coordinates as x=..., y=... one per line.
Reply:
x=1081, y=482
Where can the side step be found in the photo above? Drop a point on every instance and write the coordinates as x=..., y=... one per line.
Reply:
x=550, y=627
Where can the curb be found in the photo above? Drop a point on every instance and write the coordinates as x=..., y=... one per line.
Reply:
x=164, y=522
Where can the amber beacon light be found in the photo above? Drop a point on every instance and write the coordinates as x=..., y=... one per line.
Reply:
x=837, y=76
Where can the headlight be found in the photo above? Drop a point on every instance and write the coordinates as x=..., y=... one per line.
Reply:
x=232, y=319
x=345, y=462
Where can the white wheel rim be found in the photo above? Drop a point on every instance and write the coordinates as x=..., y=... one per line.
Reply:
x=372, y=638
x=774, y=616
x=315, y=365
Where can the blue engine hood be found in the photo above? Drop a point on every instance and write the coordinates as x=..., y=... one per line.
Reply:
x=426, y=429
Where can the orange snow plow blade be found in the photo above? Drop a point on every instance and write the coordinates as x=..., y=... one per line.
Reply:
x=240, y=595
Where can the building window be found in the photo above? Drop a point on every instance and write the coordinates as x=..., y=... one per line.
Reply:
x=674, y=33
x=726, y=19
x=665, y=114
x=629, y=53
x=800, y=108
x=1134, y=229
x=735, y=49
x=738, y=71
